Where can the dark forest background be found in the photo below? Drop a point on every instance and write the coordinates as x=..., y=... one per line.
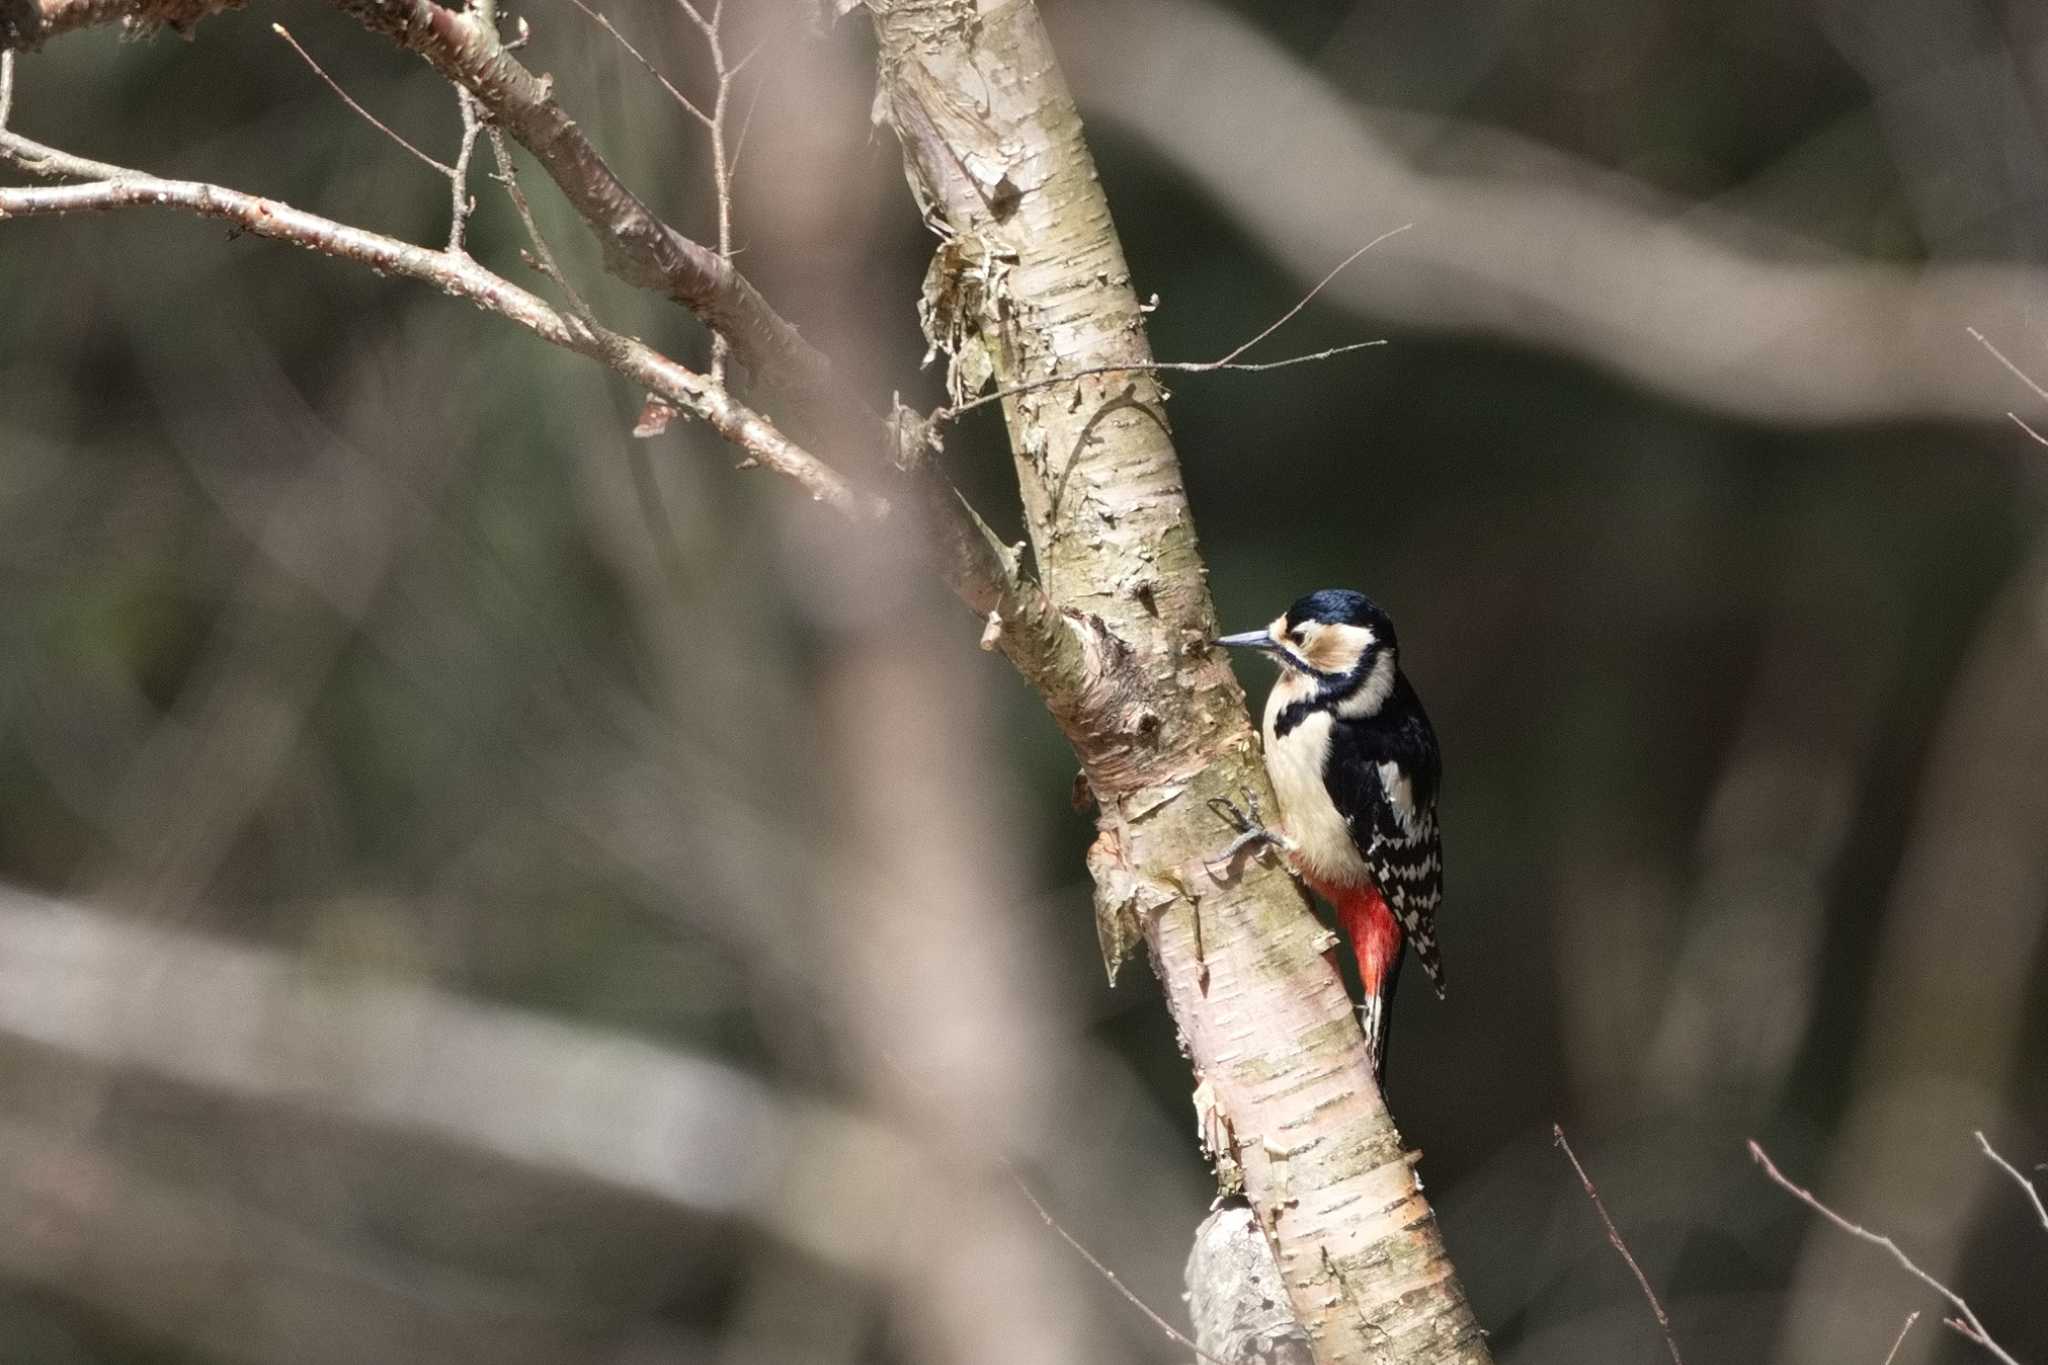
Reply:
x=385, y=716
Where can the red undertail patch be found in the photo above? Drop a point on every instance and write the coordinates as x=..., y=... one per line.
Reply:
x=1374, y=933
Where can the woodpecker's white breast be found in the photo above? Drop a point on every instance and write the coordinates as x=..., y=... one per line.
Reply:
x=1295, y=761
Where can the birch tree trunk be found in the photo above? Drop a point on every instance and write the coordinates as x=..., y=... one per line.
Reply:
x=1029, y=285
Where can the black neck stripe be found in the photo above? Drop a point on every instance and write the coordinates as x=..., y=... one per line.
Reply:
x=1331, y=688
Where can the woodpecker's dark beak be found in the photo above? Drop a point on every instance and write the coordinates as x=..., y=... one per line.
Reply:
x=1251, y=639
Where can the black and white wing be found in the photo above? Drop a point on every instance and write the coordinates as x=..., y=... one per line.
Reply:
x=1391, y=769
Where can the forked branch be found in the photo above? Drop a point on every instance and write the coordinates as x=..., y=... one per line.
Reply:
x=106, y=188
x=1965, y=1323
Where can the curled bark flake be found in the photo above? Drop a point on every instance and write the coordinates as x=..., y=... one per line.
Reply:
x=913, y=438
x=1213, y=1131
x=960, y=309
x=1125, y=898
x=655, y=416
x=1119, y=924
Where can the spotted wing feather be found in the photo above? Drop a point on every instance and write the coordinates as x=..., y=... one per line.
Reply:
x=1385, y=770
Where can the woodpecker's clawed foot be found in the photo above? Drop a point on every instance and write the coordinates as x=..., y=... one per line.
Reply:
x=1250, y=826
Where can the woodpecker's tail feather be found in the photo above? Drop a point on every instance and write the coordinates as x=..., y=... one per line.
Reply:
x=1423, y=936
x=1376, y=1017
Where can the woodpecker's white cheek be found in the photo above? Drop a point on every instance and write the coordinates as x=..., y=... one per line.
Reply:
x=1323, y=842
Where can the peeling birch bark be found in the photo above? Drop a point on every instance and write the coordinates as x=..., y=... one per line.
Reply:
x=1029, y=284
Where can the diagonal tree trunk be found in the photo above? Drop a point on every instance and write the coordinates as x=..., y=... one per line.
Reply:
x=1030, y=288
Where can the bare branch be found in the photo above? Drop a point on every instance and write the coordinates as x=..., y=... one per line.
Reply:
x=2033, y=1195
x=461, y=204
x=721, y=172
x=639, y=247
x=1303, y=301
x=443, y=167
x=454, y=274
x=709, y=27
x=1893, y=1354
x=1034, y=635
x=1965, y=1322
x=678, y=96
x=645, y=251
x=1614, y=1238
x=136, y=16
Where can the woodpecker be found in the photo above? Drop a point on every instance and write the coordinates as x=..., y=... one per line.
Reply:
x=1354, y=762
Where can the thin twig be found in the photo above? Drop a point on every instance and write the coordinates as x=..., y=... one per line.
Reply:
x=549, y=266
x=709, y=26
x=1964, y=1323
x=1151, y=367
x=2021, y=423
x=443, y=167
x=1321, y=284
x=739, y=143
x=743, y=63
x=984, y=1143
x=2033, y=1195
x=2000, y=357
x=677, y=95
x=721, y=183
x=2022, y=376
x=714, y=123
x=1174, y=1334
x=461, y=203
x=6, y=85
x=721, y=166
x=1227, y=361
x=1614, y=1237
x=1893, y=1354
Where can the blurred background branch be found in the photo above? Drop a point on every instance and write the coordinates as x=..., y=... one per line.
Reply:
x=1721, y=303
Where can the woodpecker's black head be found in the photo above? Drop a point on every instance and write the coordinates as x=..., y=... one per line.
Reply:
x=1329, y=635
